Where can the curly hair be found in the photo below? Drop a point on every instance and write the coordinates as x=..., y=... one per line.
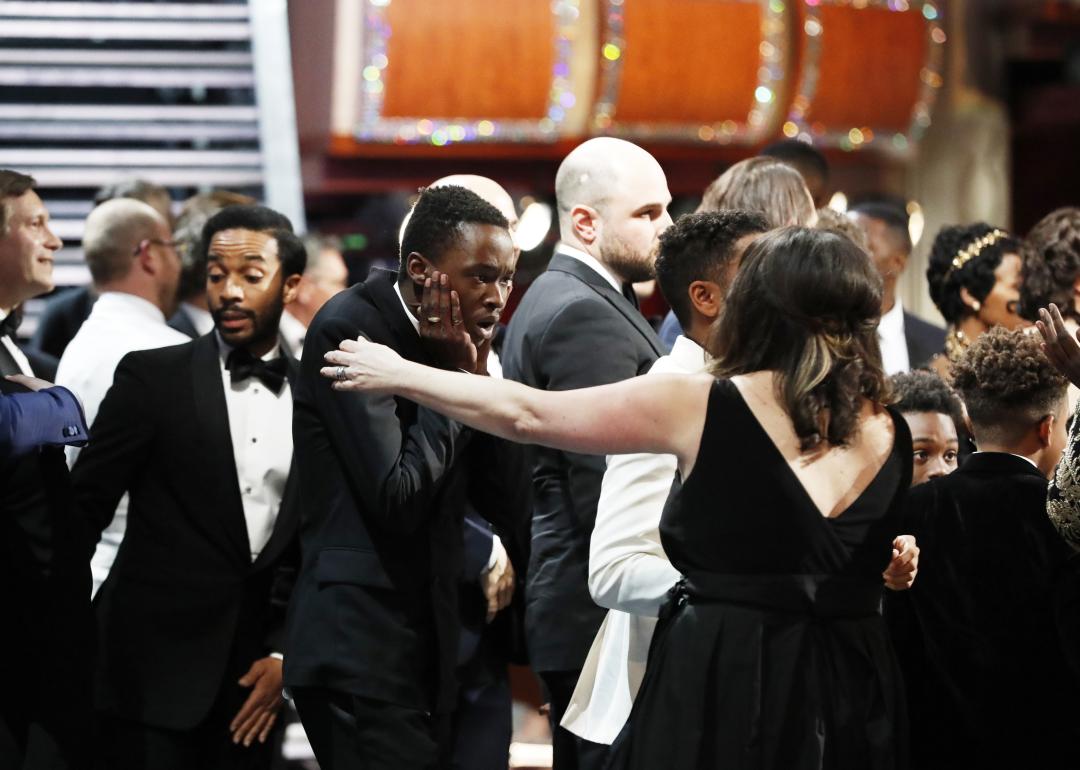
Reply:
x=1007, y=383
x=976, y=275
x=436, y=220
x=765, y=185
x=260, y=219
x=1052, y=264
x=805, y=304
x=832, y=221
x=924, y=391
x=699, y=247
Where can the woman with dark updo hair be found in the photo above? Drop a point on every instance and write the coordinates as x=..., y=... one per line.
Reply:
x=974, y=276
x=771, y=652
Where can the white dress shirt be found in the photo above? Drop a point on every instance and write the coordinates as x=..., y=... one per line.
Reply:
x=629, y=573
x=894, y=352
x=118, y=324
x=20, y=358
x=293, y=332
x=260, y=423
x=591, y=261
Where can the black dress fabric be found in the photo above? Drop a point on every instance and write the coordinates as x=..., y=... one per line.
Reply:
x=772, y=652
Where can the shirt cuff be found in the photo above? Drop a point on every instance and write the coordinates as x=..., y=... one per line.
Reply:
x=497, y=552
x=277, y=655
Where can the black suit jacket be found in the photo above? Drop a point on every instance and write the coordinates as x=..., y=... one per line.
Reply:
x=924, y=340
x=61, y=320
x=985, y=635
x=46, y=645
x=571, y=330
x=183, y=600
x=384, y=487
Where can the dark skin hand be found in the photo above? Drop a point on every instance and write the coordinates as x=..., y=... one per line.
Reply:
x=446, y=337
x=259, y=713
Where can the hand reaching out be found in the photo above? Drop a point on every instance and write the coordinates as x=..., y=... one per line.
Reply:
x=498, y=584
x=361, y=365
x=904, y=565
x=1061, y=347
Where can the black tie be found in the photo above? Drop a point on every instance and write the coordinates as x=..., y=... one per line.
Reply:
x=242, y=365
x=10, y=324
x=8, y=364
x=630, y=294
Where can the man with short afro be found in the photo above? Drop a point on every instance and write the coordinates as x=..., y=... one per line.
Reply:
x=983, y=645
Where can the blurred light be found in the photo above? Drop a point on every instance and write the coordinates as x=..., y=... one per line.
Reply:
x=763, y=94
x=929, y=12
x=372, y=73
x=900, y=142
x=855, y=136
x=425, y=127
x=916, y=222
x=812, y=27
x=379, y=60
x=938, y=35
x=612, y=52
x=838, y=203
x=791, y=130
x=533, y=226
x=706, y=133
x=729, y=127
x=485, y=128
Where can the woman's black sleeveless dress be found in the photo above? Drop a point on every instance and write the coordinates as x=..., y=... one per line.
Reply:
x=772, y=652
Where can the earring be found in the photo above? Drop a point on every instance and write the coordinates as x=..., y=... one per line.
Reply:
x=976, y=306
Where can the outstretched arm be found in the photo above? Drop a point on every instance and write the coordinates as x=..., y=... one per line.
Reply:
x=660, y=414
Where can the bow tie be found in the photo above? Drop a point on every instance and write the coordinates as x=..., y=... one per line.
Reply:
x=242, y=366
x=10, y=324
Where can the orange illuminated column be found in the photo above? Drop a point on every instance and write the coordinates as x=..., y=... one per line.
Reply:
x=868, y=72
x=693, y=70
x=468, y=70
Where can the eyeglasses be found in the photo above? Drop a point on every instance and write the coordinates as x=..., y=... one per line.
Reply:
x=156, y=241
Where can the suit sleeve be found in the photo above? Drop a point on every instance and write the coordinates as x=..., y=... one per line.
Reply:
x=394, y=466
x=628, y=569
x=122, y=432
x=478, y=539
x=49, y=417
x=586, y=344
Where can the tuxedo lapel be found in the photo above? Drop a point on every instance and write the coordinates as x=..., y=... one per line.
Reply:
x=575, y=267
x=213, y=422
x=380, y=284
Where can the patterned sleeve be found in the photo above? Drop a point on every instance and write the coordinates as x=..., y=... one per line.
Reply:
x=1063, y=495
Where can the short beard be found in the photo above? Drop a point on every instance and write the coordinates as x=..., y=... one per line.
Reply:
x=618, y=255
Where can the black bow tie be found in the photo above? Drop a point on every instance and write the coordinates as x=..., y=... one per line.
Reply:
x=242, y=366
x=10, y=324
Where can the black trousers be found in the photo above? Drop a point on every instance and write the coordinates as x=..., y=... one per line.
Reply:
x=348, y=732
x=482, y=725
x=124, y=744
x=569, y=751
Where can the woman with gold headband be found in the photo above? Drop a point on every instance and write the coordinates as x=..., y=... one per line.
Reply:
x=974, y=276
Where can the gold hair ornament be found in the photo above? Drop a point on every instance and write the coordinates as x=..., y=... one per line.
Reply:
x=973, y=249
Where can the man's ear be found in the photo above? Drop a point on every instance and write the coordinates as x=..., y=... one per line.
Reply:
x=144, y=259
x=418, y=268
x=706, y=297
x=587, y=223
x=1046, y=430
x=291, y=288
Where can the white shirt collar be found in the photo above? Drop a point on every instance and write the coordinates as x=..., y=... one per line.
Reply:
x=293, y=330
x=4, y=313
x=688, y=354
x=1013, y=454
x=408, y=313
x=590, y=261
x=200, y=319
x=129, y=304
x=894, y=352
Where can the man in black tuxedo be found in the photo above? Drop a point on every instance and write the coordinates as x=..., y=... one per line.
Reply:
x=45, y=651
x=577, y=326
x=907, y=341
x=373, y=624
x=190, y=619
x=987, y=638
